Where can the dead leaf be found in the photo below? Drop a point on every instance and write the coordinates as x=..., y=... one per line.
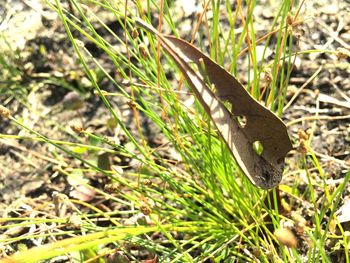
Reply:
x=248, y=127
x=343, y=214
x=82, y=193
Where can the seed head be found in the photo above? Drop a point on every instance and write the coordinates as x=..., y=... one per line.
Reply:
x=4, y=112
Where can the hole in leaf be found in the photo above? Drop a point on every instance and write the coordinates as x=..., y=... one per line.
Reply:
x=194, y=66
x=258, y=148
x=228, y=105
x=242, y=121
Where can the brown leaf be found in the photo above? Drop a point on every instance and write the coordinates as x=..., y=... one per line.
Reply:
x=259, y=126
x=83, y=193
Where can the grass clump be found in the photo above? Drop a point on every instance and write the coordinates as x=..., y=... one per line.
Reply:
x=191, y=207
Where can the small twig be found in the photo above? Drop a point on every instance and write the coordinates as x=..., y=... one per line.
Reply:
x=330, y=158
x=328, y=99
x=341, y=93
x=312, y=118
x=296, y=94
x=334, y=35
x=24, y=149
